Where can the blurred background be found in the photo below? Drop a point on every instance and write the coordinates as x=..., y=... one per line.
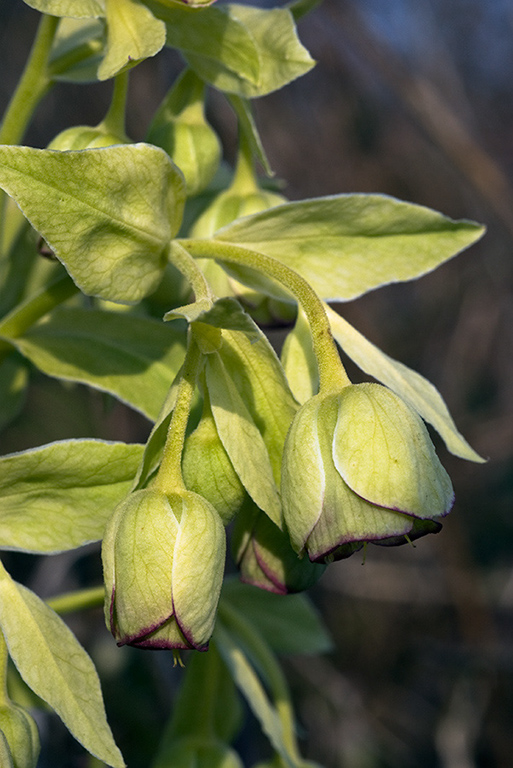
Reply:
x=412, y=98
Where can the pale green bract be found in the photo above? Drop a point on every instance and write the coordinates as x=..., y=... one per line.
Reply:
x=133, y=358
x=56, y=667
x=133, y=34
x=346, y=245
x=60, y=496
x=108, y=214
x=417, y=391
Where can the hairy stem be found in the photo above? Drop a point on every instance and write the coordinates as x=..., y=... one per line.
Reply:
x=332, y=375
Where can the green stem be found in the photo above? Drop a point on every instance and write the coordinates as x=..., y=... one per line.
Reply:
x=33, y=84
x=79, y=600
x=269, y=665
x=114, y=120
x=24, y=316
x=332, y=374
x=183, y=261
x=169, y=477
x=4, y=658
x=244, y=181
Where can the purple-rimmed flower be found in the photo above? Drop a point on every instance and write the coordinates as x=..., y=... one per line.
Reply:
x=163, y=561
x=359, y=466
x=264, y=556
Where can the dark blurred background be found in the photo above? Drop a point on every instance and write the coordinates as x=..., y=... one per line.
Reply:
x=413, y=98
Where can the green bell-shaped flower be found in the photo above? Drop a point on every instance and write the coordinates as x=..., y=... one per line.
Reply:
x=19, y=738
x=359, y=466
x=163, y=560
x=264, y=556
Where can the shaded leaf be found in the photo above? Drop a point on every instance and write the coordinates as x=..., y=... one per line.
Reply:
x=134, y=358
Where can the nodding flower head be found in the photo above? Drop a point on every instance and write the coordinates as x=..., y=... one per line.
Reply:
x=359, y=466
x=163, y=562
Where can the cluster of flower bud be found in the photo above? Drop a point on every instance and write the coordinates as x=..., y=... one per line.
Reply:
x=19, y=737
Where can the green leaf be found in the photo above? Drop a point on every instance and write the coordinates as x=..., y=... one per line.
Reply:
x=108, y=214
x=77, y=50
x=348, y=244
x=410, y=385
x=134, y=358
x=290, y=624
x=77, y=9
x=133, y=34
x=241, y=438
x=60, y=496
x=216, y=45
x=253, y=691
x=282, y=57
x=13, y=384
x=53, y=663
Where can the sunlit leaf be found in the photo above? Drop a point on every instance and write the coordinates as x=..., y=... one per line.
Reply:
x=53, y=663
x=133, y=34
x=77, y=9
x=346, y=245
x=108, y=214
x=60, y=496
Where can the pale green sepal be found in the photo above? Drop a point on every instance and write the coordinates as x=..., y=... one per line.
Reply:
x=181, y=129
x=198, y=567
x=207, y=468
x=21, y=734
x=260, y=379
x=299, y=362
x=217, y=46
x=382, y=450
x=303, y=482
x=5, y=752
x=140, y=540
x=364, y=240
x=241, y=438
x=133, y=358
x=133, y=34
x=53, y=663
x=60, y=496
x=417, y=391
x=77, y=9
x=108, y=214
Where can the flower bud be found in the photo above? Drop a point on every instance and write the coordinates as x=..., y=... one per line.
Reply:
x=207, y=468
x=19, y=738
x=85, y=137
x=163, y=561
x=265, y=558
x=359, y=466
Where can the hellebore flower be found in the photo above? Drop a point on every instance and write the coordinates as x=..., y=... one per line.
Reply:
x=163, y=561
x=264, y=556
x=359, y=466
x=19, y=737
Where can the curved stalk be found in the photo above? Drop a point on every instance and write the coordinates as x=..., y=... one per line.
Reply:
x=332, y=374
